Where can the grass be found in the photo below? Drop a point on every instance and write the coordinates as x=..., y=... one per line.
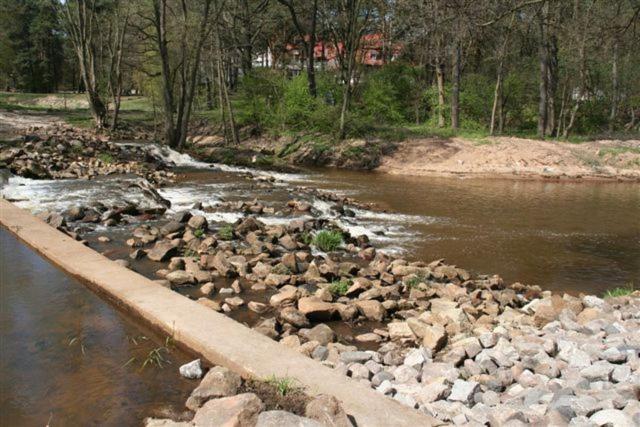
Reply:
x=156, y=358
x=328, y=241
x=226, y=232
x=622, y=291
x=340, y=287
x=306, y=238
x=616, y=151
x=198, y=233
x=106, y=158
x=284, y=385
x=414, y=281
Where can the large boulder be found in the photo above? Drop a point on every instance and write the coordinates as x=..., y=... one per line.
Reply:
x=236, y=411
x=315, y=309
x=328, y=411
x=371, y=309
x=285, y=419
x=162, y=251
x=219, y=382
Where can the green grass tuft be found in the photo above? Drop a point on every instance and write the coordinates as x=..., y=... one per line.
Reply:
x=198, y=233
x=622, y=291
x=328, y=241
x=226, y=232
x=284, y=385
x=106, y=158
x=340, y=288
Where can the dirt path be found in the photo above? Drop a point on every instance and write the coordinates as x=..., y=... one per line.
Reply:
x=13, y=124
x=515, y=157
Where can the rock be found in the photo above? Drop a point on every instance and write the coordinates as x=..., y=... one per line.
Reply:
x=156, y=422
x=355, y=357
x=234, y=302
x=371, y=309
x=162, y=251
x=221, y=264
x=434, y=338
x=448, y=309
x=598, y=372
x=321, y=333
x=359, y=371
x=236, y=411
x=191, y=370
x=267, y=327
x=284, y=419
x=368, y=337
x=214, y=305
x=328, y=411
x=198, y=222
x=286, y=296
x=439, y=370
x=257, y=307
x=611, y=417
x=399, y=330
x=592, y=301
x=180, y=278
x=207, y=288
x=315, y=309
x=171, y=227
x=218, y=382
x=463, y=391
x=294, y=317
x=433, y=391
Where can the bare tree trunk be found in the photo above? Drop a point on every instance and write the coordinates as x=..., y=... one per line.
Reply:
x=544, y=53
x=228, y=118
x=311, y=71
x=614, y=88
x=455, y=90
x=497, y=94
x=552, y=83
x=440, y=84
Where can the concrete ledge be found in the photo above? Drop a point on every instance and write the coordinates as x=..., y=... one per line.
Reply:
x=219, y=339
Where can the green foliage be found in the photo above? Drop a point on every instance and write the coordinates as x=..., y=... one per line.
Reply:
x=328, y=241
x=621, y=291
x=198, y=233
x=284, y=385
x=306, y=238
x=106, y=158
x=339, y=288
x=415, y=280
x=226, y=232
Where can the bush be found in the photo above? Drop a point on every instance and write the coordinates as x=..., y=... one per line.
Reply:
x=328, y=241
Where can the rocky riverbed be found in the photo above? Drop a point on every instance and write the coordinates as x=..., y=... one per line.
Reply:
x=464, y=349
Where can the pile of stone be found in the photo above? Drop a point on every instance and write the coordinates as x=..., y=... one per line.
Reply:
x=66, y=153
x=223, y=398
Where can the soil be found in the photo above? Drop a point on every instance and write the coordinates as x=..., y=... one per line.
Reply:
x=13, y=124
x=515, y=157
x=294, y=400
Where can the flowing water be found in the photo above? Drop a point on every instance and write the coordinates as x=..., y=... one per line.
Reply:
x=70, y=359
x=568, y=237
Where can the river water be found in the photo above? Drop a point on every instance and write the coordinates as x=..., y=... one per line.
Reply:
x=70, y=359
x=562, y=236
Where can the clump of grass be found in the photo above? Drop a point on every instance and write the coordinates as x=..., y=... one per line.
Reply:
x=284, y=385
x=340, y=287
x=156, y=358
x=199, y=233
x=226, y=232
x=415, y=280
x=306, y=238
x=622, y=291
x=328, y=241
x=280, y=269
x=106, y=158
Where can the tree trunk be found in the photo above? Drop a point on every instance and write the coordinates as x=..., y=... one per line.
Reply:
x=311, y=71
x=544, y=52
x=455, y=90
x=440, y=84
x=497, y=94
x=614, y=88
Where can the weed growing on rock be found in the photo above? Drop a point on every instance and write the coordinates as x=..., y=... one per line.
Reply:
x=226, y=232
x=106, y=158
x=328, y=241
x=415, y=280
x=339, y=288
x=199, y=233
x=284, y=385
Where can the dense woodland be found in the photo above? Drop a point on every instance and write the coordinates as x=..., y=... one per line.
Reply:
x=347, y=68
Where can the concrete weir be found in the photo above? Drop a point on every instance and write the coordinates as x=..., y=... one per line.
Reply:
x=219, y=339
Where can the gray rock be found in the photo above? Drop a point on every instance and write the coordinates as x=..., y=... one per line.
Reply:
x=380, y=377
x=359, y=371
x=463, y=391
x=406, y=374
x=433, y=391
x=284, y=419
x=385, y=387
x=435, y=370
x=320, y=353
x=600, y=371
x=415, y=358
x=349, y=357
x=180, y=278
x=191, y=370
x=321, y=333
x=162, y=251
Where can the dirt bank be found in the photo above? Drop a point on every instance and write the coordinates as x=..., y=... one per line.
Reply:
x=515, y=157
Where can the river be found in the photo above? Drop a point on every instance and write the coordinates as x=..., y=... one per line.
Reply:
x=563, y=236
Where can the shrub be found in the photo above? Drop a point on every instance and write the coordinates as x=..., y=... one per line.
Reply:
x=328, y=241
x=339, y=288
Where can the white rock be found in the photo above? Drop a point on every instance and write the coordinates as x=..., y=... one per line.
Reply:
x=611, y=417
x=192, y=370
